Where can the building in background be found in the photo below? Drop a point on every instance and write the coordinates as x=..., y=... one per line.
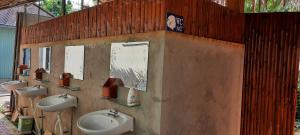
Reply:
x=8, y=19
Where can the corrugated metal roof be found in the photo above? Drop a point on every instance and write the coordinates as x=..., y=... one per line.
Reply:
x=9, y=16
x=12, y=3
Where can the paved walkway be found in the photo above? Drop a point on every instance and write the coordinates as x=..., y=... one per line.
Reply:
x=5, y=100
x=3, y=92
x=6, y=127
x=4, y=96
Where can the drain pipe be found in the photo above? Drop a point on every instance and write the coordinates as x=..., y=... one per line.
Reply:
x=59, y=123
x=34, y=117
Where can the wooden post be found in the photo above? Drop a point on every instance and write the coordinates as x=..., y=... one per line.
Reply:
x=82, y=4
x=63, y=6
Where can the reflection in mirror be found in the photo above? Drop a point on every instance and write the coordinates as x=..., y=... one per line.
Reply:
x=45, y=58
x=26, y=57
x=129, y=62
x=74, y=61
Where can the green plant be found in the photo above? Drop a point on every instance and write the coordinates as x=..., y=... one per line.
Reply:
x=298, y=102
x=252, y=6
x=55, y=6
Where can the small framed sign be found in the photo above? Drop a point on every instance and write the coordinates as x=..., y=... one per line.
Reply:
x=175, y=23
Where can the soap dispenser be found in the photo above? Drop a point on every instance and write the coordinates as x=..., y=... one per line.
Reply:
x=133, y=97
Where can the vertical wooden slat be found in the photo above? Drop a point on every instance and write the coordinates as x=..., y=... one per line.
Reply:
x=77, y=29
x=129, y=16
x=146, y=15
x=82, y=25
x=86, y=23
x=137, y=17
x=152, y=15
x=114, y=17
x=119, y=16
x=133, y=16
x=92, y=22
x=269, y=86
x=109, y=16
x=103, y=20
x=157, y=15
x=142, y=10
x=99, y=21
x=162, y=15
x=123, y=17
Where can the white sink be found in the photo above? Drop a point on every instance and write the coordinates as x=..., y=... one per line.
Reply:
x=32, y=91
x=57, y=103
x=13, y=85
x=101, y=123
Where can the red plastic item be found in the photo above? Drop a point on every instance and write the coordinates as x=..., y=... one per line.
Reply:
x=110, y=87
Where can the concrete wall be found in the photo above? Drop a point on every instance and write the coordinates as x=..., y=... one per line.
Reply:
x=96, y=72
x=202, y=88
x=194, y=84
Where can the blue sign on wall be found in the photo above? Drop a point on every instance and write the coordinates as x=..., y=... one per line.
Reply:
x=175, y=23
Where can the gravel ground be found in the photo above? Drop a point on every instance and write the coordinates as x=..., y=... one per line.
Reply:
x=4, y=92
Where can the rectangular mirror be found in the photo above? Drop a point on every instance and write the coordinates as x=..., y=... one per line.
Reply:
x=74, y=61
x=27, y=57
x=45, y=58
x=129, y=62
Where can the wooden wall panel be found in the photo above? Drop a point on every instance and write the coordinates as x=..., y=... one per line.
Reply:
x=109, y=19
x=270, y=74
x=92, y=22
x=207, y=19
x=202, y=18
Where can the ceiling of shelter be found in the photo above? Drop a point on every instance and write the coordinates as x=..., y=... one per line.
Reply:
x=11, y=3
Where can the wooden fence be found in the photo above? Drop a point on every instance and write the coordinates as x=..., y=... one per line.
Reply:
x=109, y=19
x=271, y=47
x=270, y=74
x=202, y=18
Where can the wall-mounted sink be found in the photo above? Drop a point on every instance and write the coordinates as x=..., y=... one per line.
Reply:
x=32, y=91
x=13, y=85
x=57, y=103
x=105, y=122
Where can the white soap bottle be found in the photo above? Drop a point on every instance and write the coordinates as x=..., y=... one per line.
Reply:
x=133, y=97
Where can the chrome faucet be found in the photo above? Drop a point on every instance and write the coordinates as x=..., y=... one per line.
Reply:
x=113, y=112
x=37, y=86
x=64, y=94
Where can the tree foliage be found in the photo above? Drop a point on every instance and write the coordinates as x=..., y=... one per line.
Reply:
x=55, y=6
x=252, y=6
x=298, y=101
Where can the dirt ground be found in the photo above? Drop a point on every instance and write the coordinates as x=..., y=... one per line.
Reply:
x=4, y=94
